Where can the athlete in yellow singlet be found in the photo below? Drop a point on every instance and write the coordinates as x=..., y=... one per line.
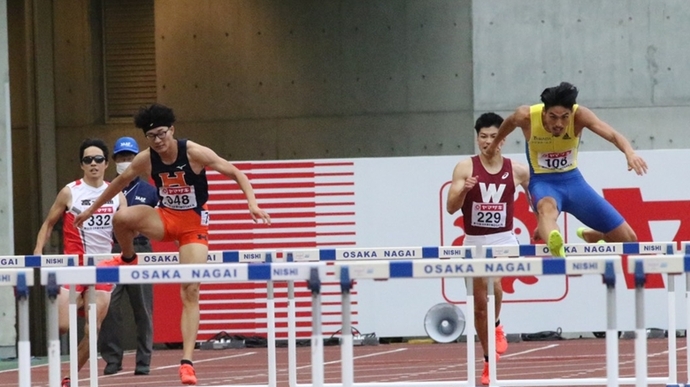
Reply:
x=552, y=132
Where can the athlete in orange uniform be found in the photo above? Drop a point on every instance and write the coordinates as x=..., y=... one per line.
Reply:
x=178, y=169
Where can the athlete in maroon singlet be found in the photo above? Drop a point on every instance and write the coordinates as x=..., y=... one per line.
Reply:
x=484, y=188
x=488, y=204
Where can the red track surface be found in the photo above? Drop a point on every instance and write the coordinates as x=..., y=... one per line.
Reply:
x=582, y=358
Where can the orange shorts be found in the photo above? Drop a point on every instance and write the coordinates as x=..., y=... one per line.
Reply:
x=185, y=226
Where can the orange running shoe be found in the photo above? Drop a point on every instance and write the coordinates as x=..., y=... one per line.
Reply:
x=187, y=374
x=501, y=340
x=485, y=372
x=117, y=261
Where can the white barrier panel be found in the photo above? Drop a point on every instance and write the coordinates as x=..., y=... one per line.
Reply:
x=609, y=267
x=22, y=280
x=313, y=273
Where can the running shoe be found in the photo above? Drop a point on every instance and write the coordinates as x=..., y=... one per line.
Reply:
x=556, y=244
x=118, y=261
x=501, y=340
x=187, y=374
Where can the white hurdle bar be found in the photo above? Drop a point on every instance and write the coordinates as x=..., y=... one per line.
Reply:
x=346, y=346
x=595, y=249
x=203, y=273
x=22, y=279
x=214, y=257
x=607, y=266
x=153, y=258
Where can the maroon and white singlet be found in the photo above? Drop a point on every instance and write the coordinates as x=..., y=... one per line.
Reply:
x=488, y=206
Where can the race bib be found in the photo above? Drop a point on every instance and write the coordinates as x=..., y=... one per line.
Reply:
x=178, y=198
x=489, y=215
x=102, y=218
x=205, y=218
x=556, y=160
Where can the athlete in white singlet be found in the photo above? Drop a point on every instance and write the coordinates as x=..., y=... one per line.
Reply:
x=94, y=238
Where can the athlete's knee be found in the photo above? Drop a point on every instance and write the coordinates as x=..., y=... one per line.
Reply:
x=190, y=293
x=547, y=207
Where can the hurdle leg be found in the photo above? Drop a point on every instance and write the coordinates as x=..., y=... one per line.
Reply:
x=346, y=350
x=73, y=338
x=640, y=338
x=672, y=361
x=271, y=325
x=317, y=365
x=93, y=337
x=469, y=328
x=292, y=335
x=23, y=344
x=53, y=333
x=687, y=327
x=491, y=331
x=611, y=337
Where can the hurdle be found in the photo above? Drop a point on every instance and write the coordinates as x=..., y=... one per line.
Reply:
x=607, y=266
x=22, y=279
x=156, y=258
x=202, y=273
x=582, y=250
x=359, y=254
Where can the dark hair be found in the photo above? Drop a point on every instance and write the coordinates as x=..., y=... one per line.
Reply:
x=150, y=117
x=97, y=142
x=488, y=120
x=564, y=95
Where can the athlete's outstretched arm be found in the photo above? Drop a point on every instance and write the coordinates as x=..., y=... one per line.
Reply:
x=520, y=117
x=199, y=154
x=586, y=118
x=461, y=184
x=62, y=201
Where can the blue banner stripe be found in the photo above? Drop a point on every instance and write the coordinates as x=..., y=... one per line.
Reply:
x=327, y=254
x=32, y=261
x=400, y=269
x=528, y=250
x=631, y=248
x=429, y=252
x=259, y=271
x=553, y=266
x=231, y=256
x=105, y=275
x=686, y=261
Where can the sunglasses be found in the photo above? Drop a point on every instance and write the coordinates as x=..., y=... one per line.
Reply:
x=90, y=159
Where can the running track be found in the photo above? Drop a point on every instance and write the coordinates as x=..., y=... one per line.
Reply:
x=383, y=363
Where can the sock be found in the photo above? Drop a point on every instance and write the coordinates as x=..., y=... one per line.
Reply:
x=130, y=259
x=185, y=361
x=498, y=322
x=486, y=358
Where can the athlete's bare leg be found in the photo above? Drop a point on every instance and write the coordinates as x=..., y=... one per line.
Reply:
x=547, y=214
x=192, y=253
x=102, y=303
x=481, y=309
x=622, y=233
x=130, y=221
